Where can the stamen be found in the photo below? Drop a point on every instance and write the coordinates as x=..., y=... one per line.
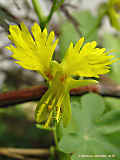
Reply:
x=63, y=78
x=48, y=120
x=49, y=75
x=58, y=107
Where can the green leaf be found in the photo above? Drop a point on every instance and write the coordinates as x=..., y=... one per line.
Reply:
x=87, y=26
x=112, y=103
x=85, y=136
x=110, y=122
x=113, y=42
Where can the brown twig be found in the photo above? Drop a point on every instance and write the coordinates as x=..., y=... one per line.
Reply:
x=22, y=153
x=39, y=152
x=12, y=155
x=106, y=87
x=16, y=97
x=70, y=18
x=70, y=5
x=35, y=93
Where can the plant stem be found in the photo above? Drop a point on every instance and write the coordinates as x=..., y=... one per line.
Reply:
x=55, y=137
x=60, y=3
x=51, y=11
x=39, y=12
x=102, y=12
x=54, y=7
x=42, y=18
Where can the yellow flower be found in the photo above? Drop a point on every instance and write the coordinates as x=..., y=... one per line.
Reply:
x=86, y=61
x=34, y=51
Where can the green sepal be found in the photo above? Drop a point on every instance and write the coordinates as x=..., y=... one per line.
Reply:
x=72, y=83
x=66, y=110
x=42, y=127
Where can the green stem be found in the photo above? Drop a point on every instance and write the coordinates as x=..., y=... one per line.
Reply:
x=55, y=137
x=51, y=11
x=102, y=13
x=39, y=12
x=60, y=3
x=42, y=19
x=54, y=7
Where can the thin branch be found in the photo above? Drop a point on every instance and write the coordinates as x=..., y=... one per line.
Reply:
x=55, y=6
x=70, y=5
x=12, y=98
x=39, y=152
x=21, y=96
x=39, y=12
x=51, y=11
x=12, y=155
x=71, y=18
x=106, y=87
x=22, y=153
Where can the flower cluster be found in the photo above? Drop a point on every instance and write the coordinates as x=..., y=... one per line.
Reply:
x=34, y=51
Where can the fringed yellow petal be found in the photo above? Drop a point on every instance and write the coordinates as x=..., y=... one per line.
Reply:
x=44, y=33
x=79, y=44
x=51, y=37
x=32, y=52
x=36, y=31
x=15, y=34
x=26, y=36
x=87, y=61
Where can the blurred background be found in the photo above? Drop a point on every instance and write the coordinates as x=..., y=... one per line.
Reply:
x=73, y=19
